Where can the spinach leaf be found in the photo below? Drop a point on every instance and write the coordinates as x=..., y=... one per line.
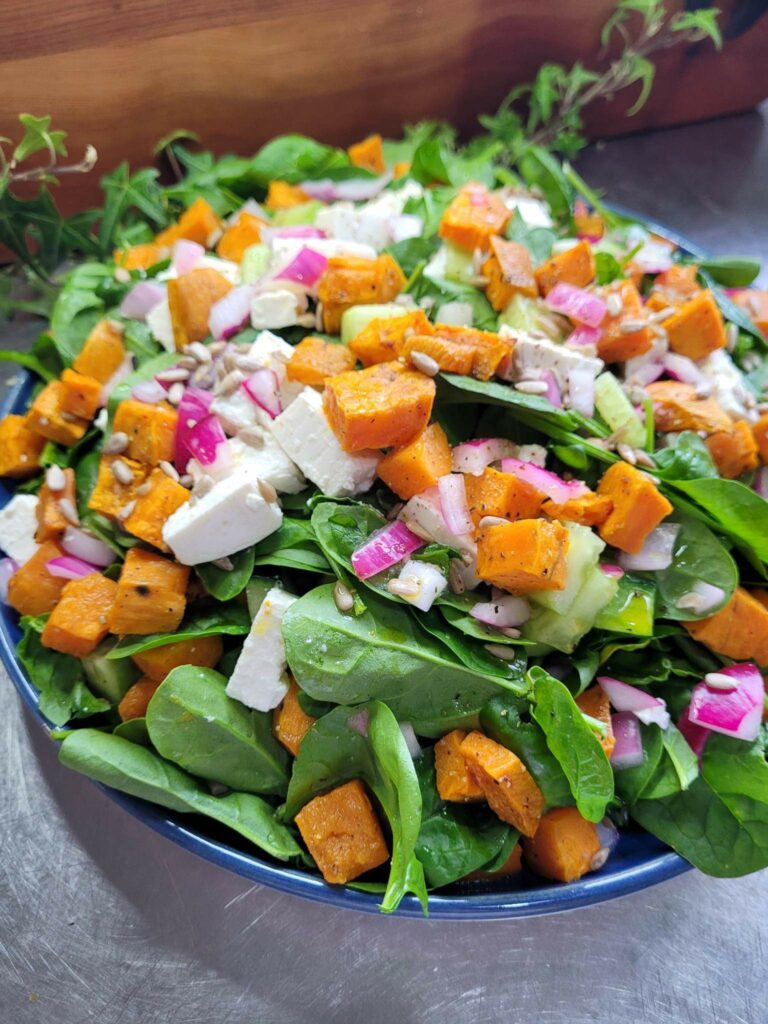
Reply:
x=687, y=459
x=225, y=584
x=607, y=268
x=441, y=290
x=125, y=192
x=538, y=241
x=135, y=730
x=138, y=339
x=731, y=311
x=192, y=722
x=292, y=546
x=335, y=751
x=291, y=158
x=435, y=160
x=472, y=654
x=574, y=744
x=731, y=271
x=677, y=769
x=29, y=361
x=430, y=207
x=225, y=619
x=136, y=770
x=538, y=167
x=735, y=509
x=77, y=309
x=455, y=609
x=631, y=782
x=412, y=251
x=698, y=555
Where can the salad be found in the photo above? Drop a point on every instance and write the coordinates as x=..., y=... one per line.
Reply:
x=405, y=517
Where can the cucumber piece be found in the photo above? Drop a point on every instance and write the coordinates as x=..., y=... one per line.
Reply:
x=304, y=213
x=584, y=548
x=458, y=265
x=357, y=318
x=521, y=313
x=109, y=678
x=631, y=610
x=563, y=632
x=617, y=411
x=254, y=262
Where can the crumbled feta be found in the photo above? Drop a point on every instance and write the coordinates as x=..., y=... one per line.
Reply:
x=279, y=308
x=536, y=355
x=272, y=352
x=227, y=268
x=286, y=249
x=259, y=678
x=367, y=223
x=534, y=212
x=238, y=411
x=18, y=523
x=729, y=386
x=267, y=461
x=159, y=323
x=430, y=580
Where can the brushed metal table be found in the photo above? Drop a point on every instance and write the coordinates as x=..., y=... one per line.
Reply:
x=102, y=920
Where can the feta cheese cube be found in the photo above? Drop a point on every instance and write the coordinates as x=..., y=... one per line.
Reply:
x=729, y=386
x=536, y=355
x=286, y=249
x=534, y=212
x=159, y=323
x=267, y=461
x=271, y=351
x=259, y=678
x=278, y=308
x=238, y=412
x=18, y=523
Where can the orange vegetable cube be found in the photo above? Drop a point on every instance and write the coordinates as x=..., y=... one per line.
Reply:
x=290, y=724
x=738, y=631
x=48, y=417
x=677, y=407
x=385, y=406
x=354, y=281
x=759, y=429
x=588, y=510
x=416, y=466
x=314, y=360
x=674, y=287
x=110, y=496
x=697, y=328
x=51, y=521
x=638, y=507
x=401, y=168
x=151, y=430
x=509, y=271
x=198, y=223
x=140, y=257
x=507, y=785
x=452, y=776
x=755, y=303
x=33, y=590
x=102, y=353
x=474, y=216
x=616, y=346
x=342, y=833
x=78, y=623
x=282, y=196
x=81, y=394
x=20, y=447
x=501, y=494
x=575, y=266
x=368, y=154
x=382, y=340
x=489, y=350
x=586, y=221
x=449, y=355
x=734, y=451
x=151, y=595
x=136, y=699
x=245, y=232
x=594, y=702
x=191, y=298
x=153, y=509
x=203, y=651
x=564, y=846
x=524, y=556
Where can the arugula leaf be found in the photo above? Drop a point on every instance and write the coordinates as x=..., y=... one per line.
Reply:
x=225, y=619
x=538, y=167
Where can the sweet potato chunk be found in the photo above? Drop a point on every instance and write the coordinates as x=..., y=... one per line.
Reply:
x=586, y=221
x=382, y=340
x=81, y=394
x=102, y=353
x=151, y=430
x=452, y=775
x=109, y=497
x=674, y=287
x=32, y=590
x=638, y=507
x=385, y=406
x=342, y=833
x=524, y=556
x=489, y=350
x=368, y=154
x=734, y=451
x=51, y=521
x=48, y=418
x=153, y=509
x=575, y=266
x=140, y=257
x=204, y=651
x=564, y=846
x=755, y=303
x=136, y=699
x=290, y=724
x=416, y=466
x=151, y=595
x=594, y=702
x=190, y=298
x=78, y=623
x=20, y=448
x=501, y=494
x=245, y=232
x=474, y=216
x=449, y=356
x=588, y=510
x=282, y=196
x=676, y=407
x=697, y=328
x=509, y=271
x=314, y=360
x=198, y=223
x=354, y=281
x=506, y=783
x=615, y=344
x=759, y=429
x=738, y=631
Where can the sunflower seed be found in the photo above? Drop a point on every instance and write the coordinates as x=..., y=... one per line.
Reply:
x=202, y=375
x=267, y=491
x=343, y=598
x=662, y=314
x=531, y=387
x=404, y=588
x=493, y=521
x=169, y=470
x=511, y=632
x=720, y=681
x=144, y=489
x=627, y=453
x=632, y=325
x=455, y=576
x=176, y=393
x=68, y=510
x=731, y=336
x=499, y=651
x=187, y=363
x=173, y=376
x=224, y=563
x=198, y=351
x=642, y=458
x=229, y=384
x=614, y=304
x=116, y=443
x=187, y=480
x=247, y=363
x=690, y=602
x=122, y=472
x=216, y=348
x=126, y=510
x=55, y=479
x=425, y=364
x=319, y=316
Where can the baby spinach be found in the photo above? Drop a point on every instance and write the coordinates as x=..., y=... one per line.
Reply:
x=538, y=240
x=29, y=362
x=631, y=782
x=135, y=730
x=735, y=314
x=733, y=508
x=292, y=546
x=226, y=584
x=371, y=747
x=731, y=271
x=192, y=722
x=77, y=309
x=291, y=158
x=412, y=251
x=455, y=609
x=687, y=458
x=225, y=619
x=474, y=655
x=138, y=771
x=698, y=555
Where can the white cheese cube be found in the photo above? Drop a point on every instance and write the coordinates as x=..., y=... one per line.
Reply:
x=266, y=461
x=535, y=355
x=272, y=352
x=729, y=386
x=159, y=323
x=259, y=677
x=277, y=309
x=238, y=411
x=534, y=212
x=284, y=250
x=18, y=523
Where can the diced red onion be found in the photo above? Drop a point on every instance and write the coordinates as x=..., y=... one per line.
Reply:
x=583, y=335
x=186, y=255
x=581, y=390
x=682, y=368
x=456, y=314
x=149, y=391
x=193, y=407
x=205, y=440
x=552, y=394
x=231, y=313
x=696, y=736
x=628, y=750
x=473, y=456
x=737, y=712
x=8, y=566
x=263, y=388
x=703, y=597
x=577, y=304
x=612, y=570
x=608, y=835
x=543, y=480
x=454, y=504
x=645, y=374
x=431, y=583
x=624, y=697
x=124, y=370
x=760, y=483
x=68, y=568
x=359, y=722
x=414, y=747
x=143, y=297
x=268, y=235
x=656, y=553
x=406, y=225
x=502, y=612
x=83, y=545
x=353, y=190
x=306, y=268
x=385, y=548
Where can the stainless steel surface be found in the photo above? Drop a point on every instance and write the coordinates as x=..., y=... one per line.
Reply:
x=101, y=920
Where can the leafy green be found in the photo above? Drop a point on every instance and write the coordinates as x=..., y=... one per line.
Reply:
x=226, y=584
x=735, y=509
x=735, y=314
x=731, y=271
x=537, y=240
x=77, y=309
x=28, y=361
x=292, y=546
x=687, y=458
x=413, y=252
x=697, y=555
x=607, y=268
x=292, y=158
x=225, y=619
x=125, y=192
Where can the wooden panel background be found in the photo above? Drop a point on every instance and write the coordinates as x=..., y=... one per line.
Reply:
x=122, y=73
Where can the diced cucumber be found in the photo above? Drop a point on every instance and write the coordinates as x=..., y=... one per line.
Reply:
x=459, y=265
x=521, y=313
x=304, y=213
x=254, y=262
x=563, y=632
x=357, y=318
x=617, y=411
x=110, y=679
x=631, y=610
x=584, y=549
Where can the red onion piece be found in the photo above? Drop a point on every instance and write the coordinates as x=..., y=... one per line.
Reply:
x=193, y=407
x=656, y=553
x=8, y=566
x=141, y=298
x=654, y=257
x=83, y=545
x=414, y=747
x=696, y=736
x=406, y=225
x=149, y=391
x=186, y=255
x=646, y=374
x=68, y=568
x=682, y=368
x=502, y=612
x=581, y=390
x=231, y=313
x=628, y=751
x=385, y=548
x=624, y=697
x=453, y=503
x=612, y=570
x=431, y=583
x=263, y=388
x=249, y=206
x=543, y=480
x=552, y=393
x=473, y=456
x=306, y=268
x=580, y=305
x=124, y=370
x=268, y=235
x=205, y=441
x=359, y=722
x=583, y=335
x=736, y=712
x=353, y=190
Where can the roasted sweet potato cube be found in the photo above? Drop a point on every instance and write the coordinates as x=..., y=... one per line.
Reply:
x=677, y=407
x=198, y=223
x=368, y=154
x=473, y=218
x=452, y=775
x=489, y=350
x=382, y=339
x=575, y=266
x=33, y=590
x=507, y=785
x=416, y=466
x=151, y=595
x=136, y=699
x=755, y=303
x=354, y=281
x=564, y=846
x=734, y=451
x=151, y=430
x=245, y=232
x=509, y=271
x=20, y=447
x=385, y=406
x=638, y=507
x=501, y=494
x=191, y=298
x=449, y=355
x=524, y=556
x=48, y=418
x=342, y=833
x=616, y=345
x=109, y=497
x=588, y=510
x=140, y=257
x=102, y=353
x=78, y=623
x=314, y=360
x=81, y=394
x=203, y=651
x=697, y=328
x=738, y=631
x=282, y=196
x=290, y=723
x=759, y=429
x=586, y=221
x=51, y=521
x=594, y=702
x=673, y=287
x=153, y=509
